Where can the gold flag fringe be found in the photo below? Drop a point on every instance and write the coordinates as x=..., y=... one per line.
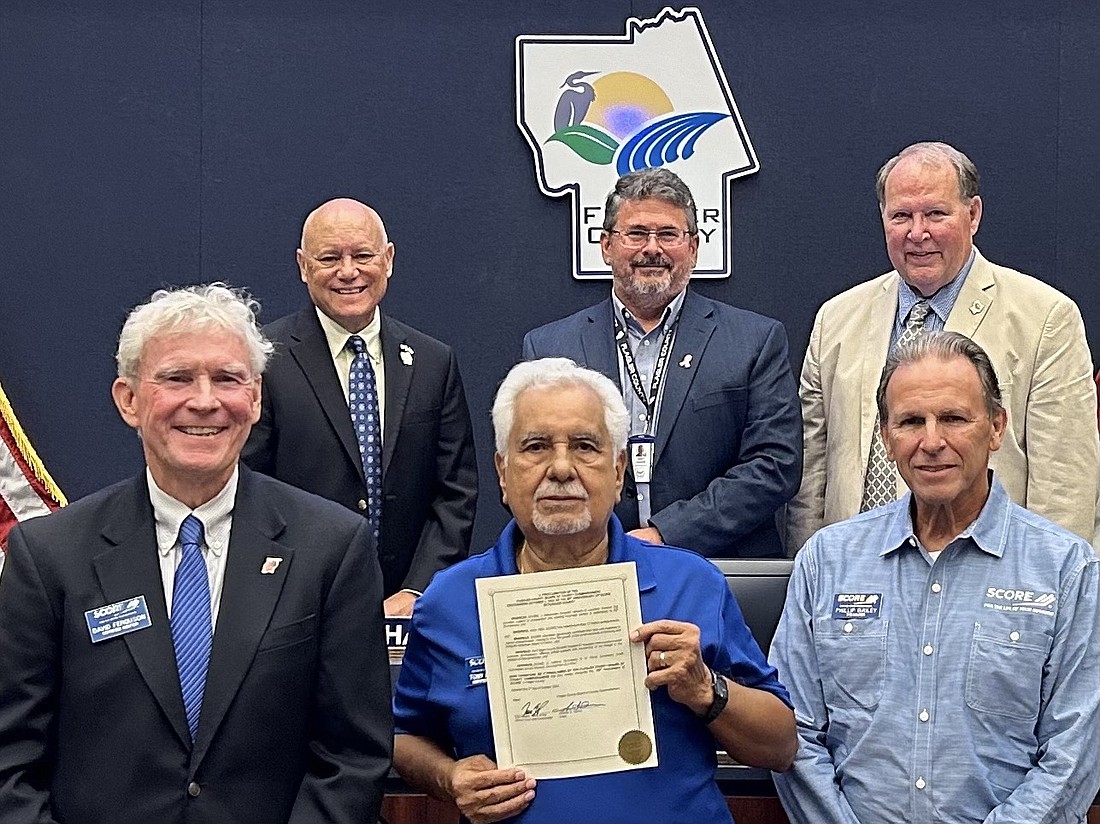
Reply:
x=23, y=444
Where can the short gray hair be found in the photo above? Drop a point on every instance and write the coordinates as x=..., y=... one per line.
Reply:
x=942, y=345
x=934, y=154
x=537, y=374
x=659, y=183
x=213, y=307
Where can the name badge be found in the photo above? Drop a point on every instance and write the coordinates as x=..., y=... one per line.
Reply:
x=475, y=670
x=112, y=620
x=848, y=605
x=641, y=457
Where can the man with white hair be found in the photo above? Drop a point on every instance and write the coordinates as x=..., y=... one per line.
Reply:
x=199, y=643
x=561, y=455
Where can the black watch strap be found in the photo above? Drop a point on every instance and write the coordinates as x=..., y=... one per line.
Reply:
x=721, y=697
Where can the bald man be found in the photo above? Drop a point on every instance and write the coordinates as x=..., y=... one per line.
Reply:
x=401, y=452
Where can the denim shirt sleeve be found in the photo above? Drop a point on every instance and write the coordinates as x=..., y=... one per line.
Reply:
x=809, y=789
x=1068, y=728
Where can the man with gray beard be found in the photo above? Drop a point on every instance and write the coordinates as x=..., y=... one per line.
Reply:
x=715, y=434
x=561, y=456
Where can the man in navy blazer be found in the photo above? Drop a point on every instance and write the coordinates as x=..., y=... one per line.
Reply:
x=102, y=716
x=713, y=403
x=305, y=434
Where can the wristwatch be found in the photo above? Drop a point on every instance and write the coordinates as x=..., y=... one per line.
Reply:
x=721, y=697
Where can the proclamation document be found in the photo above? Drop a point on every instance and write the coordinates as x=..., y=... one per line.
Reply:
x=566, y=685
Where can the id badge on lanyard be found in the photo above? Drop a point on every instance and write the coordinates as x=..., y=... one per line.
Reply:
x=641, y=448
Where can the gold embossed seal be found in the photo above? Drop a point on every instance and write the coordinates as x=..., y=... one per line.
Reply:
x=635, y=747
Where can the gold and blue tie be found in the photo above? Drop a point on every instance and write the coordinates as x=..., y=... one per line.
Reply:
x=880, y=484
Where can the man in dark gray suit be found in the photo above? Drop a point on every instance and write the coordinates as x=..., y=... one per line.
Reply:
x=716, y=438
x=199, y=643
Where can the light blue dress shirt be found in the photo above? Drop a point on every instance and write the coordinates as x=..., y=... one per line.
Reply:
x=644, y=346
x=964, y=689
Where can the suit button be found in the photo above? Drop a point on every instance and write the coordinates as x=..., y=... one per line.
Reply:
x=362, y=505
x=193, y=789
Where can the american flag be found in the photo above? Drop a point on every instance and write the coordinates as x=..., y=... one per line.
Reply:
x=26, y=488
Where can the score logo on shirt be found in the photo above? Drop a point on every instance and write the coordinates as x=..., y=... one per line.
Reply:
x=849, y=605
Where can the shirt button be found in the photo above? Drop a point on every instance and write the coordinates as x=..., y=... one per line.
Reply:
x=641, y=497
x=912, y=542
x=193, y=789
x=645, y=343
x=849, y=627
x=642, y=417
x=923, y=715
x=936, y=587
x=1014, y=636
x=362, y=504
x=920, y=784
x=927, y=649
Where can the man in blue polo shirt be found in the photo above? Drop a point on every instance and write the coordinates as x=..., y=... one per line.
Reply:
x=943, y=651
x=561, y=452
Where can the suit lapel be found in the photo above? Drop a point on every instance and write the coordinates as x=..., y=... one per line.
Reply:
x=247, y=602
x=310, y=351
x=598, y=342
x=398, y=359
x=883, y=304
x=978, y=292
x=130, y=568
x=693, y=333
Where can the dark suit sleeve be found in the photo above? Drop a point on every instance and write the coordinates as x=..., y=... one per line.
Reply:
x=768, y=467
x=28, y=674
x=528, y=348
x=445, y=538
x=351, y=746
x=260, y=448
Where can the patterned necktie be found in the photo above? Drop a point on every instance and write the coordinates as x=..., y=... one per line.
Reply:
x=880, y=484
x=192, y=632
x=363, y=405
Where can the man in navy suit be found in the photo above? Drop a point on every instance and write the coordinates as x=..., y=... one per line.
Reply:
x=305, y=435
x=199, y=643
x=716, y=439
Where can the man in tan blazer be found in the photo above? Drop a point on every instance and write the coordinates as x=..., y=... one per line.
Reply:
x=928, y=196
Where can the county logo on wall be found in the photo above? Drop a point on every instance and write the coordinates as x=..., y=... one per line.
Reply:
x=594, y=108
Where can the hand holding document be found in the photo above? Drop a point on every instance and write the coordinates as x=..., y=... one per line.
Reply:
x=566, y=685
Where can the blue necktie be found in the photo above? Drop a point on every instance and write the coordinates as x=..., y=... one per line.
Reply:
x=192, y=633
x=363, y=405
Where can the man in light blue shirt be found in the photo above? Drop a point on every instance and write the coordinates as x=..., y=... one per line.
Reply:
x=942, y=652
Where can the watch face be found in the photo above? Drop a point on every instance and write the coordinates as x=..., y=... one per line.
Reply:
x=721, y=688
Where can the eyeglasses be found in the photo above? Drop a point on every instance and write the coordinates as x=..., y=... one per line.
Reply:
x=639, y=238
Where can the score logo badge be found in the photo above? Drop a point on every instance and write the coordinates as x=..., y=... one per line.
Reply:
x=594, y=108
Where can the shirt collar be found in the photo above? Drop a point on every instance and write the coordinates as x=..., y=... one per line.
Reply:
x=337, y=336
x=943, y=301
x=618, y=551
x=988, y=532
x=668, y=318
x=168, y=514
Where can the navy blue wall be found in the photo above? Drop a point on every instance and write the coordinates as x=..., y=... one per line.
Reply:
x=141, y=147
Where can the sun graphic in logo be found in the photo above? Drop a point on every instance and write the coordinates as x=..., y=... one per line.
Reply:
x=593, y=119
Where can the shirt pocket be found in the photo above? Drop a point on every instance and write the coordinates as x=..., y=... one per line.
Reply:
x=852, y=657
x=1005, y=672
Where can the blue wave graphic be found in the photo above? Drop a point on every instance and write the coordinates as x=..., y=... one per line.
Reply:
x=666, y=140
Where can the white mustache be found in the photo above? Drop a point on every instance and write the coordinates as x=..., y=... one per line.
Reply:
x=572, y=489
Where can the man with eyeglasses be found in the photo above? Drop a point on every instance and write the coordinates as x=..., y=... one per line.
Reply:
x=366, y=411
x=715, y=445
